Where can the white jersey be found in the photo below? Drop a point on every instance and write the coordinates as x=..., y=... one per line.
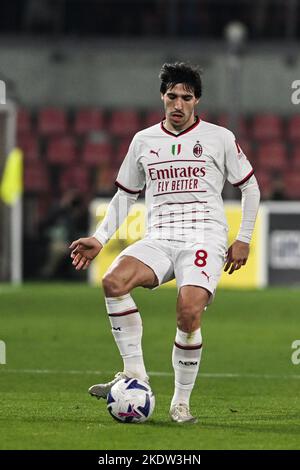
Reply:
x=184, y=176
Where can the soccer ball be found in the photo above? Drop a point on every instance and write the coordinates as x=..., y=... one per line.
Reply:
x=131, y=401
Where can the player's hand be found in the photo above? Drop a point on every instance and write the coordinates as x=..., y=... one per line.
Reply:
x=237, y=256
x=84, y=250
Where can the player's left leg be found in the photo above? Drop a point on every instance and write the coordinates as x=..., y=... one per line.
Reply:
x=187, y=349
x=197, y=268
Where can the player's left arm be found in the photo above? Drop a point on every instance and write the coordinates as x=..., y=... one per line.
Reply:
x=238, y=252
x=240, y=174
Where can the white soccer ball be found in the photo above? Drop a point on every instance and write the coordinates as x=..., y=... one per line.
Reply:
x=131, y=401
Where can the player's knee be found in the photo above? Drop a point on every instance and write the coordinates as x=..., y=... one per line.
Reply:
x=190, y=309
x=113, y=285
x=188, y=317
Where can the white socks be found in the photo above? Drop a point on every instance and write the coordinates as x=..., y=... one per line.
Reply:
x=186, y=360
x=127, y=329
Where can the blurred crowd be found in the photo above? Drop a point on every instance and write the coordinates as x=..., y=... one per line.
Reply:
x=71, y=157
x=264, y=19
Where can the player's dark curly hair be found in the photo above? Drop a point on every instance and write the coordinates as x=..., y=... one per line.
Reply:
x=179, y=72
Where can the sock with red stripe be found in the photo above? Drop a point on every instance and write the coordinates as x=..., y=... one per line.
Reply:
x=126, y=326
x=186, y=358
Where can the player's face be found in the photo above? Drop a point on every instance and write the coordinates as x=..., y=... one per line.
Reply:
x=179, y=104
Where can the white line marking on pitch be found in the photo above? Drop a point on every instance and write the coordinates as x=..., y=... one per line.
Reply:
x=153, y=373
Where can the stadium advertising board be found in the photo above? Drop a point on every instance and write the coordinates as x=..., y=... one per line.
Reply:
x=133, y=228
x=283, y=263
x=253, y=274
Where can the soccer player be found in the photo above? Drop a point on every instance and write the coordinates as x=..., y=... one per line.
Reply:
x=184, y=162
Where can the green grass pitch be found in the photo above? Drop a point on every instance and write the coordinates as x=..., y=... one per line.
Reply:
x=58, y=343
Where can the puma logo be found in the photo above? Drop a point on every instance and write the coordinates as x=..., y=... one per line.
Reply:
x=155, y=153
x=206, y=275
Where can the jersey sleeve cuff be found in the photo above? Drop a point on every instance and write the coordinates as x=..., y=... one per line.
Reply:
x=101, y=237
x=130, y=191
x=244, y=179
x=244, y=238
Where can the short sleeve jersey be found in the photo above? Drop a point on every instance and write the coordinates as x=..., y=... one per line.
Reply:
x=184, y=175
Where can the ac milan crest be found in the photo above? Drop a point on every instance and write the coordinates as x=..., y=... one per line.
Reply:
x=197, y=150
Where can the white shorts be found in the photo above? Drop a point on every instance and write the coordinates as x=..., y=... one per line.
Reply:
x=190, y=263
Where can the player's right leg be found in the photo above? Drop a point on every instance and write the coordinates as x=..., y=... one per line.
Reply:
x=125, y=274
x=142, y=265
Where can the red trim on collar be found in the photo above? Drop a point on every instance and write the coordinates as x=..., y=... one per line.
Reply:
x=185, y=131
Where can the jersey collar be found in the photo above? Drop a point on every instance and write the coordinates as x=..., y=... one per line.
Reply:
x=185, y=131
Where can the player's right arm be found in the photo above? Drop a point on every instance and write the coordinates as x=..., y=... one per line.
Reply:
x=84, y=250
